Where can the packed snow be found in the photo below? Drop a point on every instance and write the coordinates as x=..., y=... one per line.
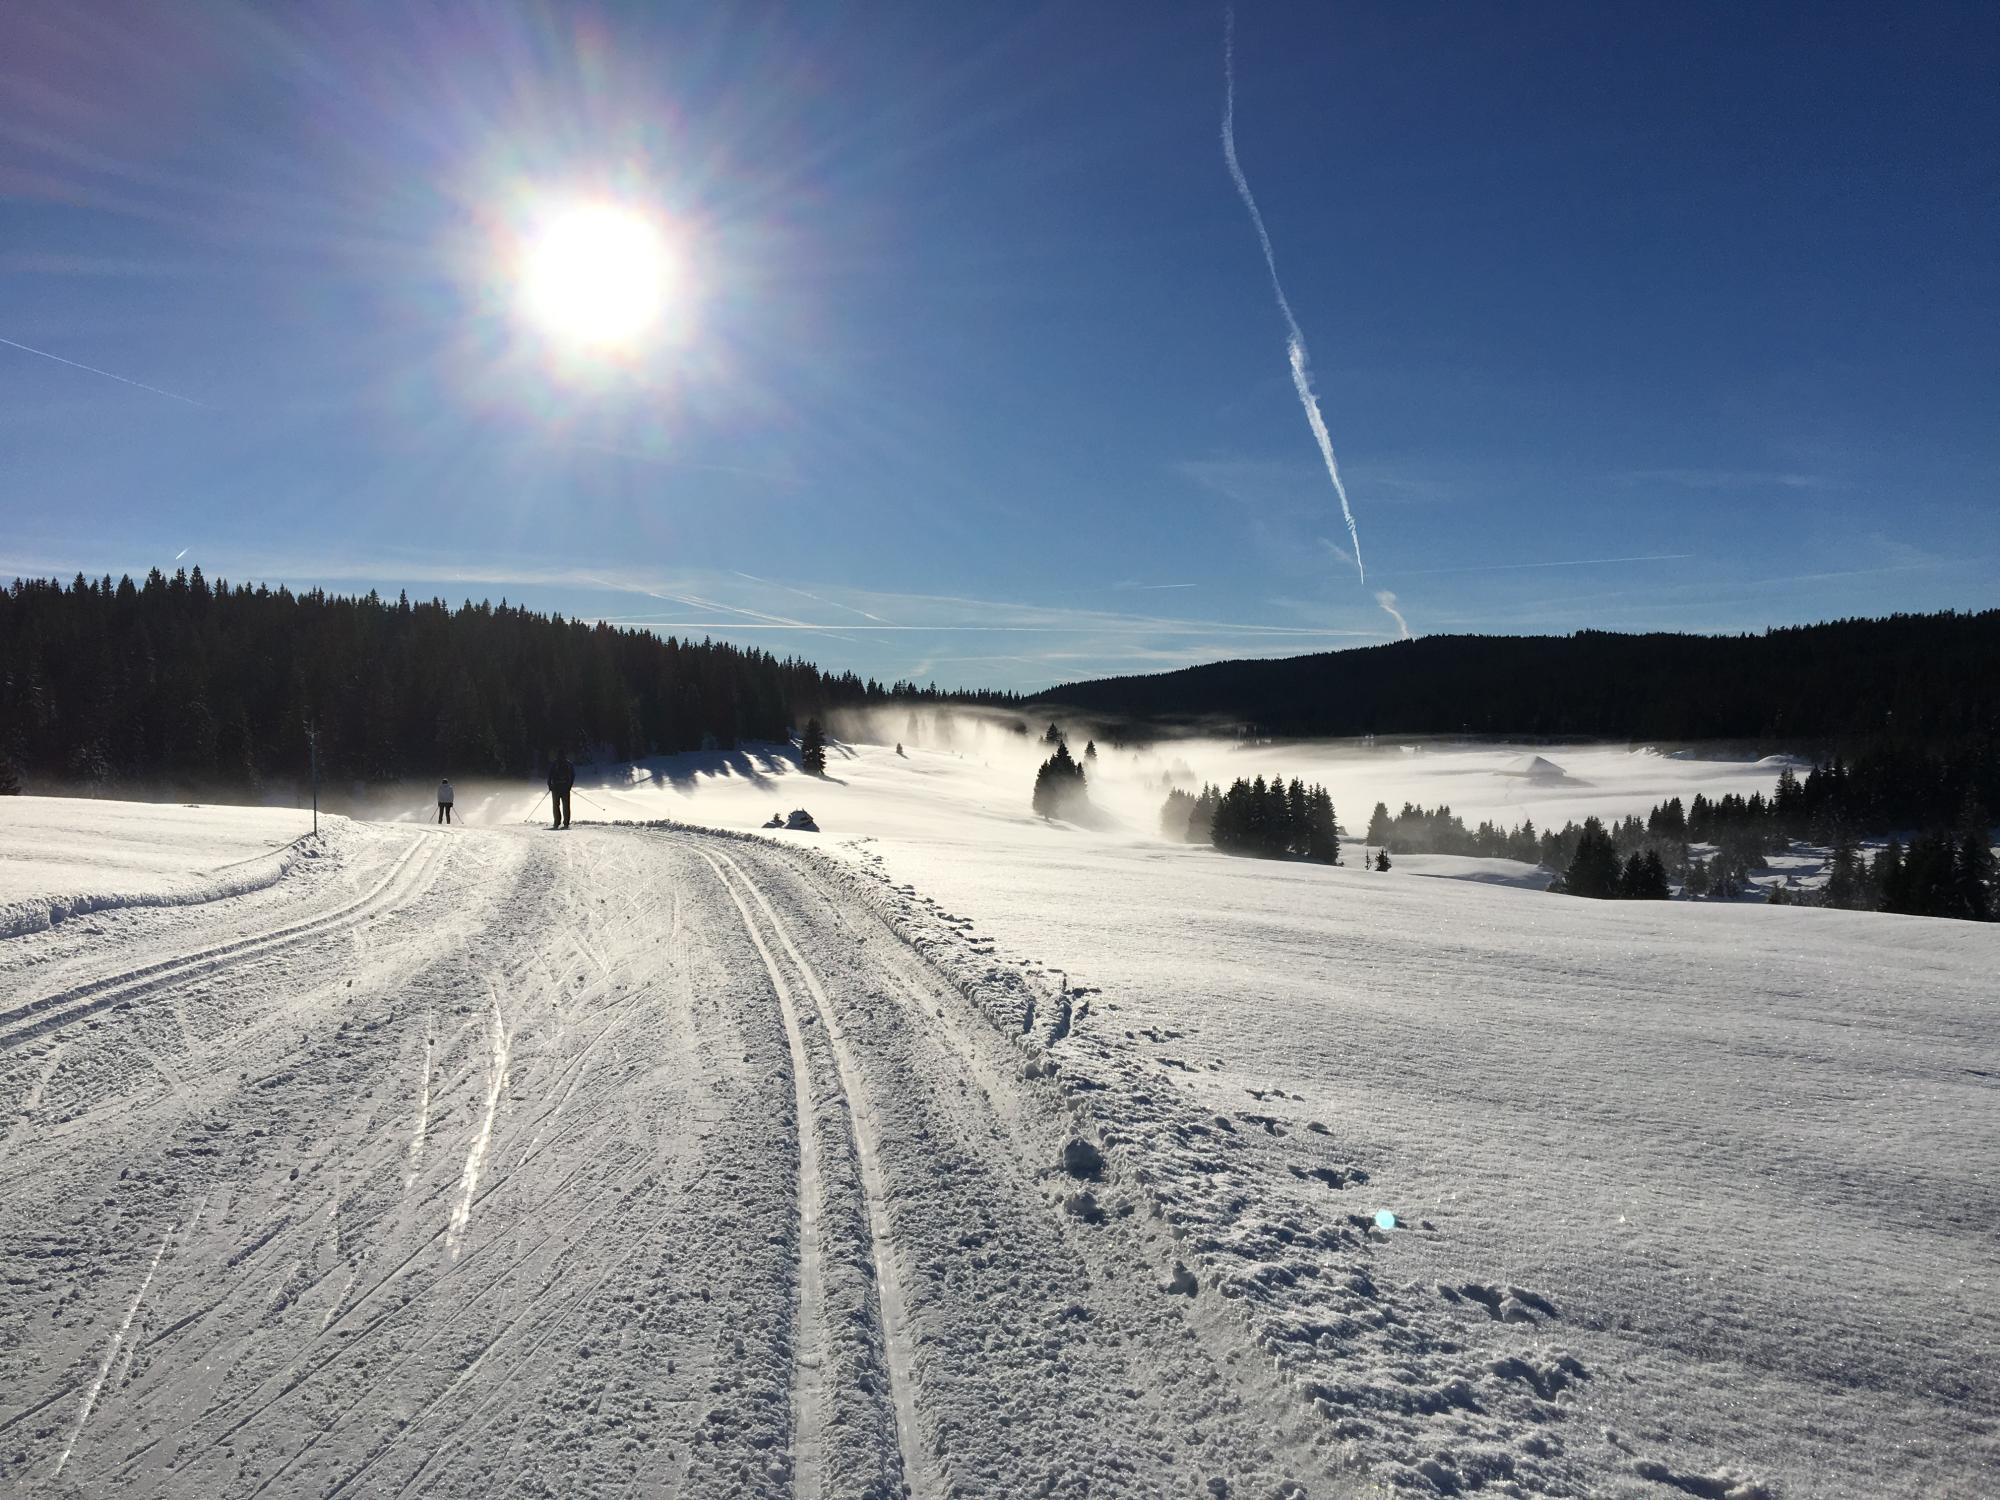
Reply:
x=953, y=1148
x=62, y=857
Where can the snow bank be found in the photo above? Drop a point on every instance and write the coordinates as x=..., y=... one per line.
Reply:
x=63, y=857
x=1509, y=872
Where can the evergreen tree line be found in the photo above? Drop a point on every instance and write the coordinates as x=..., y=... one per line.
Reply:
x=1274, y=820
x=1418, y=830
x=1626, y=859
x=1940, y=874
x=1946, y=870
x=211, y=685
x=1883, y=790
x=1908, y=681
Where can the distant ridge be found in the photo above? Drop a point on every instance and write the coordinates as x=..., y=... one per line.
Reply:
x=1931, y=676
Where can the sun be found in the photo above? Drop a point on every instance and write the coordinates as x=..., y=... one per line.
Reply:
x=597, y=277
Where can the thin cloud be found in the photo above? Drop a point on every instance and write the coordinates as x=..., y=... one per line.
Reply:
x=108, y=375
x=1336, y=549
x=805, y=594
x=1726, y=479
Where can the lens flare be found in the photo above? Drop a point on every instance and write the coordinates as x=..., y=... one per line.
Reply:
x=597, y=277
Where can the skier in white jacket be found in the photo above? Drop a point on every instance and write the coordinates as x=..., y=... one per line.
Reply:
x=444, y=800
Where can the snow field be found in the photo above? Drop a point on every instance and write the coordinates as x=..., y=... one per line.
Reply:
x=502, y=1186
x=1681, y=1199
x=62, y=857
x=1695, y=1187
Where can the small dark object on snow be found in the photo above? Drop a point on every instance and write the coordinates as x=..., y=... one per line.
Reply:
x=802, y=821
x=1083, y=1205
x=1081, y=1159
x=777, y=820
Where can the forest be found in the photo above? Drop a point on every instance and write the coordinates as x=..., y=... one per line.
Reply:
x=1273, y=820
x=212, y=685
x=1932, y=678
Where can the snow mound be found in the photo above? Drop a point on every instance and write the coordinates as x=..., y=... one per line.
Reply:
x=1537, y=768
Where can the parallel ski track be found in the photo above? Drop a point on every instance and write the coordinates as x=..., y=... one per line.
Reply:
x=22, y=1023
x=810, y=1394
x=546, y=1313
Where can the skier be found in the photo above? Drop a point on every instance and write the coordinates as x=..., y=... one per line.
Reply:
x=562, y=776
x=444, y=800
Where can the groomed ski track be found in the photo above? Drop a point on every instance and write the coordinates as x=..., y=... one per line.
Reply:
x=621, y=1161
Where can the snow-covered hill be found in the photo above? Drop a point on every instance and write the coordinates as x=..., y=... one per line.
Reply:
x=1440, y=1185
x=1743, y=1151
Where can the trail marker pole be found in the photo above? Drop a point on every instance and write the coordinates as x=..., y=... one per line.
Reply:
x=312, y=740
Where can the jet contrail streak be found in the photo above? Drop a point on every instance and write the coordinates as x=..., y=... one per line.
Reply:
x=1296, y=343
x=1388, y=602
x=75, y=365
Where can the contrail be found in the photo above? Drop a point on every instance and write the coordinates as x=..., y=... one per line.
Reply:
x=1388, y=602
x=74, y=365
x=1296, y=344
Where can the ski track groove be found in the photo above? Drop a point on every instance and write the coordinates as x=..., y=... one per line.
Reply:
x=810, y=1397
x=894, y=1320
x=111, y=1353
x=625, y=1075
x=22, y=1023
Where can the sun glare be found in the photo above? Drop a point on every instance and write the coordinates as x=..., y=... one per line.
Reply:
x=597, y=277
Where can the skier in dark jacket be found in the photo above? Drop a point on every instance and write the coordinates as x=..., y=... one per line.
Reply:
x=562, y=776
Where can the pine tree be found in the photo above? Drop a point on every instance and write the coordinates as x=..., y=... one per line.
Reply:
x=1382, y=860
x=1594, y=869
x=1644, y=878
x=1378, y=824
x=1973, y=879
x=1885, y=877
x=1201, y=822
x=1060, y=789
x=1322, y=829
x=1090, y=750
x=1846, y=880
x=1053, y=735
x=812, y=749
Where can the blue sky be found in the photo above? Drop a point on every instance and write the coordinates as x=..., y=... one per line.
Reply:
x=1675, y=318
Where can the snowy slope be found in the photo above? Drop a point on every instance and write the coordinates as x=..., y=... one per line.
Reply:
x=1688, y=1128
x=64, y=856
x=1438, y=1185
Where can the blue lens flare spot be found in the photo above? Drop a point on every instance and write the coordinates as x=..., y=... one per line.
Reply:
x=1384, y=1219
